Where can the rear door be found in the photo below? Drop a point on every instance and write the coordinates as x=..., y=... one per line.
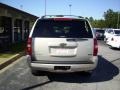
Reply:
x=62, y=40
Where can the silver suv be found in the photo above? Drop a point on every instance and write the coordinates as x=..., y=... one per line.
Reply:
x=62, y=44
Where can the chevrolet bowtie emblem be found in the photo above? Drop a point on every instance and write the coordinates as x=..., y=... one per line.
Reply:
x=63, y=45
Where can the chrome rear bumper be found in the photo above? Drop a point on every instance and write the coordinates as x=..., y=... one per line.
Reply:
x=73, y=67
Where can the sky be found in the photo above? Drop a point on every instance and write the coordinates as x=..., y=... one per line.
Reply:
x=85, y=8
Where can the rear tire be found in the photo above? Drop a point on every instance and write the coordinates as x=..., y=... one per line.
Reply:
x=110, y=47
x=37, y=72
x=88, y=73
x=105, y=40
x=34, y=72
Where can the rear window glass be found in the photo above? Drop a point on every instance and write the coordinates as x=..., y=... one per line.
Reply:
x=101, y=31
x=117, y=31
x=62, y=29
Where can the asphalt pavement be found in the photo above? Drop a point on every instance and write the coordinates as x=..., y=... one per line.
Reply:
x=106, y=76
x=4, y=62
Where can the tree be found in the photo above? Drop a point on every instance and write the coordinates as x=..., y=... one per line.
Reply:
x=111, y=18
x=97, y=23
x=91, y=19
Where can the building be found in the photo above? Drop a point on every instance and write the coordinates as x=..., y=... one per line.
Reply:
x=15, y=24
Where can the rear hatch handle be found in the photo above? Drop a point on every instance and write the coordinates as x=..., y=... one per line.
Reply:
x=63, y=44
x=76, y=39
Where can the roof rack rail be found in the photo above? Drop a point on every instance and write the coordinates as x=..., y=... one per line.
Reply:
x=53, y=16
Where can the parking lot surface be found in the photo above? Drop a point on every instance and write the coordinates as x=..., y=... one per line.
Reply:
x=105, y=77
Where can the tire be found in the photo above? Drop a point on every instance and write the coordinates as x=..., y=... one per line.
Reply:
x=34, y=72
x=110, y=47
x=104, y=39
x=88, y=73
x=37, y=73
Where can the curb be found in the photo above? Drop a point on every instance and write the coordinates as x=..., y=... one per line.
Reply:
x=11, y=60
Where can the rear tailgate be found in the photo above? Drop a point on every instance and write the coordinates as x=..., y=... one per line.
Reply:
x=62, y=49
x=62, y=40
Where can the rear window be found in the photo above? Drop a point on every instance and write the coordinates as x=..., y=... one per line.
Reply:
x=117, y=31
x=62, y=29
x=101, y=31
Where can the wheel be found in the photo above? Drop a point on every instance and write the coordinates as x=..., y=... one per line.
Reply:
x=37, y=72
x=110, y=47
x=88, y=73
x=105, y=39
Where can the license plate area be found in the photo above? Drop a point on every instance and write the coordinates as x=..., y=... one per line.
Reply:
x=63, y=51
x=61, y=67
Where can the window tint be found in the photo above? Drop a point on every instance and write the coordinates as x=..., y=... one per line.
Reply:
x=117, y=31
x=110, y=31
x=61, y=29
x=101, y=31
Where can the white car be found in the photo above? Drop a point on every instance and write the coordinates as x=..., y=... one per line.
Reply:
x=114, y=40
x=110, y=33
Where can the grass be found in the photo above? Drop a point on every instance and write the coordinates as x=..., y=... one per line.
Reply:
x=14, y=49
x=6, y=55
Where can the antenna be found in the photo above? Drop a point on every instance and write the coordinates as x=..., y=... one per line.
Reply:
x=70, y=5
x=45, y=7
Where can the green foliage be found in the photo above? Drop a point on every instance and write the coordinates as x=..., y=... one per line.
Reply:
x=14, y=49
x=18, y=47
x=110, y=20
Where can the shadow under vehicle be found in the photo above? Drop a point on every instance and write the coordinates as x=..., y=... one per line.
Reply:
x=105, y=71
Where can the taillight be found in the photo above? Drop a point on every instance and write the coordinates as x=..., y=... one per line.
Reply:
x=29, y=46
x=95, y=49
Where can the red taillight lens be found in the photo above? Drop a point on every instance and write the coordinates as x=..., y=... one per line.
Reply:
x=29, y=46
x=95, y=49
